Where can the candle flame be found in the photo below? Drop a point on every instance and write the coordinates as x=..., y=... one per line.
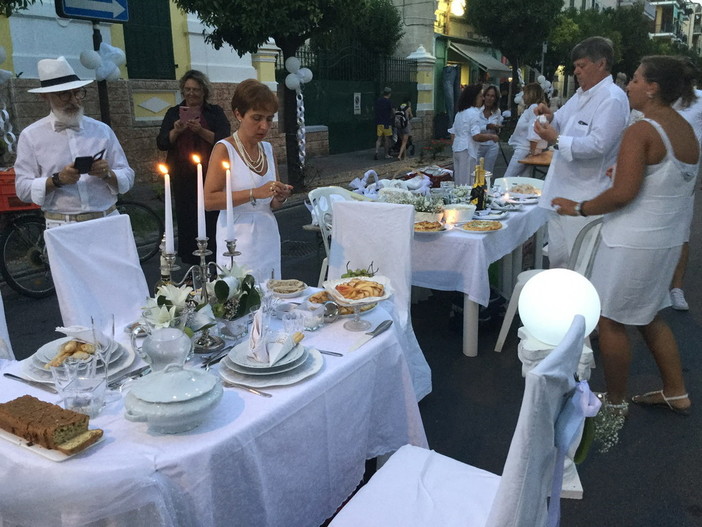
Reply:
x=162, y=168
x=225, y=164
x=196, y=159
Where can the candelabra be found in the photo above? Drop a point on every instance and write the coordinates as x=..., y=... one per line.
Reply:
x=205, y=343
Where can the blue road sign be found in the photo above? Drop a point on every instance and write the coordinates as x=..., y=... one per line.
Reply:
x=101, y=10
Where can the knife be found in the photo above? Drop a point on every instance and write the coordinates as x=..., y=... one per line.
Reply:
x=117, y=381
x=36, y=384
x=385, y=324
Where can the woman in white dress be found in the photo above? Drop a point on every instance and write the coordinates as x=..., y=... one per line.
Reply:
x=646, y=208
x=490, y=123
x=524, y=140
x=256, y=189
x=466, y=134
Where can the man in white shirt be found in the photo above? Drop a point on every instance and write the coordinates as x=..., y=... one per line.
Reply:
x=49, y=169
x=585, y=132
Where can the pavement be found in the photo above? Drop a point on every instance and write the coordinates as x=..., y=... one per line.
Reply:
x=651, y=478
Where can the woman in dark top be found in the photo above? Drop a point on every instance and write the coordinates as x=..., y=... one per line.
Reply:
x=192, y=127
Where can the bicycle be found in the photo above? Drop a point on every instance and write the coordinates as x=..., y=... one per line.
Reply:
x=23, y=260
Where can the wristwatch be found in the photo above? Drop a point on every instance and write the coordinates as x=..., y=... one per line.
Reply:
x=579, y=209
x=555, y=145
x=252, y=200
x=56, y=179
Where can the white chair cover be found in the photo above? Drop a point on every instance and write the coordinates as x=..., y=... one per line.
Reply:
x=365, y=232
x=96, y=270
x=5, y=346
x=418, y=487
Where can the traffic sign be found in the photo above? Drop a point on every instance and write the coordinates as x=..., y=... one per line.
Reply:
x=101, y=10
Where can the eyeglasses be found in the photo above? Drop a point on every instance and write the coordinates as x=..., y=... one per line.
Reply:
x=79, y=94
x=192, y=90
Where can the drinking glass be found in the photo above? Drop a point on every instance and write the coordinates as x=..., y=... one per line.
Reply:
x=103, y=330
x=80, y=386
x=293, y=321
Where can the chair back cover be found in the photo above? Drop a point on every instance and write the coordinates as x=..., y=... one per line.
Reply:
x=5, y=346
x=96, y=271
x=381, y=233
x=521, y=498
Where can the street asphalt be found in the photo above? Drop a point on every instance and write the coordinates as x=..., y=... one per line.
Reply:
x=651, y=478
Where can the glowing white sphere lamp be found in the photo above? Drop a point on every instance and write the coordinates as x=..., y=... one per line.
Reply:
x=549, y=301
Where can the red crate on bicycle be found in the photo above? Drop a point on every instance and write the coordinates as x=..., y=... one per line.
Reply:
x=9, y=202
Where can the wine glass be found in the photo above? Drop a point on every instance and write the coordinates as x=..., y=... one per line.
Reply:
x=103, y=329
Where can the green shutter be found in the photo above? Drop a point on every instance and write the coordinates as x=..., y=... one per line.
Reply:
x=148, y=41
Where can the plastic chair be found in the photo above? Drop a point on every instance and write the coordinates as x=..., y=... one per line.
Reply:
x=418, y=487
x=322, y=199
x=582, y=257
x=96, y=270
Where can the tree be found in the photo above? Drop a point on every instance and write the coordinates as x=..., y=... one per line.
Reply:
x=7, y=7
x=246, y=25
x=516, y=27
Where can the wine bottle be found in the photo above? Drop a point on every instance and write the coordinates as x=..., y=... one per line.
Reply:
x=479, y=191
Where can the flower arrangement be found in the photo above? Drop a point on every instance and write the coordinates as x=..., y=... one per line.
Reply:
x=234, y=294
x=177, y=306
x=419, y=202
x=461, y=194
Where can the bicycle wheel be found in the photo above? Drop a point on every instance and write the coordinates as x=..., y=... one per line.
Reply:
x=146, y=225
x=23, y=259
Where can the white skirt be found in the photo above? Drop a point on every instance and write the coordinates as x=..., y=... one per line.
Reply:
x=633, y=284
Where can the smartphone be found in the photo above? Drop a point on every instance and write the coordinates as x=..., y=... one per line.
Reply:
x=83, y=164
x=187, y=113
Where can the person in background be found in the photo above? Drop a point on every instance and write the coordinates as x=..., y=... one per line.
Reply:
x=524, y=140
x=648, y=201
x=49, y=170
x=256, y=188
x=405, y=132
x=192, y=127
x=383, y=123
x=585, y=133
x=466, y=134
x=554, y=102
x=490, y=123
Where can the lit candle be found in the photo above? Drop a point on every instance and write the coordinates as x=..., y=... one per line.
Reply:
x=168, y=212
x=230, y=203
x=201, y=233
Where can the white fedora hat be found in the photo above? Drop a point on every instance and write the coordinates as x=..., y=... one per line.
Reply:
x=57, y=75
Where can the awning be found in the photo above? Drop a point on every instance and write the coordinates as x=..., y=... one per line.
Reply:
x=485, y=61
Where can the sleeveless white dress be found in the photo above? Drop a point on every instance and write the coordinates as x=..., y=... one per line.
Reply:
x=641, y=242
x=255, y=226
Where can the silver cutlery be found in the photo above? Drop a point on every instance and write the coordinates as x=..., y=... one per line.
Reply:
x=118, y=381
x=332, y=353
x=214, y=359
x=247, y=388
x=35, y=384
x=385, y=324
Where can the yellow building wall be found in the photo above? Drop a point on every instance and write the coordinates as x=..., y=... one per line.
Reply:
x=181, y=42
x=117, y=37
x=6, y=42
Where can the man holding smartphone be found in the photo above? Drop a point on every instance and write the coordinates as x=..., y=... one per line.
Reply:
x=69, y=164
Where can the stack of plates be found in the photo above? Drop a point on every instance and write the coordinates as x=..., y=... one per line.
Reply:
x=298, y=364
x=121, y=358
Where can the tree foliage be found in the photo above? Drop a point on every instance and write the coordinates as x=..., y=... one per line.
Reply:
x=7, y=7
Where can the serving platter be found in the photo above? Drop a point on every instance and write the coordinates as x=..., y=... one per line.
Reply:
x=50, y=454
x=330, y=287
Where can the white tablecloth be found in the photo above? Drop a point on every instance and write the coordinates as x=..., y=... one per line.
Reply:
x=285, y=461
x=459, y=261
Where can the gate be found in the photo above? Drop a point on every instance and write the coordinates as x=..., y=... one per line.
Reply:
x=338, y=76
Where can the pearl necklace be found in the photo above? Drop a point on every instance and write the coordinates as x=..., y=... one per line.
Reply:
x=256, y=166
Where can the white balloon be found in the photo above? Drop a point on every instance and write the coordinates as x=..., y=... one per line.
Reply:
x=292, y=64
x=519, y=98
x=113, y=54
x=107, y=71
x=292, y=82
x=551, y=299
x=540, y=79
x=3, y=55
x=305, y=75
x=90, y=59
x=5, y=76
x=548, y=83
x=114, y=73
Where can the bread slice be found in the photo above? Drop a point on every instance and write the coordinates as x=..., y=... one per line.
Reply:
x=80, y=442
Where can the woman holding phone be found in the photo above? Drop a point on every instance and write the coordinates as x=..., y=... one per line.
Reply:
x=191, y=128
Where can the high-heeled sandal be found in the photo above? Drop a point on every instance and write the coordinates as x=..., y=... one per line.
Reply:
x=614, y=409
x=665, y=403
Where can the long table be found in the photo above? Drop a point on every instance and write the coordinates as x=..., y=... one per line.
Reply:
x=458, y=261
x=289, y=460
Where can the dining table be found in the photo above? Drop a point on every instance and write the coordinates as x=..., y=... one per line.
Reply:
x=288, y=460
x=457, y=260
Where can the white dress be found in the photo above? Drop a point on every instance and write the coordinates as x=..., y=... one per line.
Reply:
x=641, y=242
x=255, y=226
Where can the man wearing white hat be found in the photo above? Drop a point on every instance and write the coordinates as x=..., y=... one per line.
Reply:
x=70, y=165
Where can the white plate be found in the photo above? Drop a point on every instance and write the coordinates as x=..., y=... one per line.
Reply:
x=330, y=286
x=53, y=455
x=273, y=370
x=49, y=350
x=442, y=229
x=492, y=215
x=239, y=355
x=288, y=295
x=312, y=365
x=38, y=373
x=461, y=229
x=509, y=207
x=526, y=200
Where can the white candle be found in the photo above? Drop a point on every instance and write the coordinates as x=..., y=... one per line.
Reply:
x=170, y=249
x=230, y=203
x=201, y=232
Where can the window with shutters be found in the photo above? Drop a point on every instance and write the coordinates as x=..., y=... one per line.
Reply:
x=148, y=41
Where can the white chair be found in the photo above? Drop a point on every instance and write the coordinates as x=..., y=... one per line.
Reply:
x=322, y=199
x=420, y=488
x=382, y=233
x=582, y=257
x=96, y=270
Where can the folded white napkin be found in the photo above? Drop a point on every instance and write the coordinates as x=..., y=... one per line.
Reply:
x=277, y=350
x=84, y=334
x=265, y=351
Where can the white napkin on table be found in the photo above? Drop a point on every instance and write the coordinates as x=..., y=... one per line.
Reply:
x=267, y=352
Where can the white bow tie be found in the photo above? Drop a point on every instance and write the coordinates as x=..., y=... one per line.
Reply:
x=59, y=126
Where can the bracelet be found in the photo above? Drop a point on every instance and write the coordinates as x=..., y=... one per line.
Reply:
x=281, y=201
x=252, y=200
x=579, y=209
x=56, y=179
